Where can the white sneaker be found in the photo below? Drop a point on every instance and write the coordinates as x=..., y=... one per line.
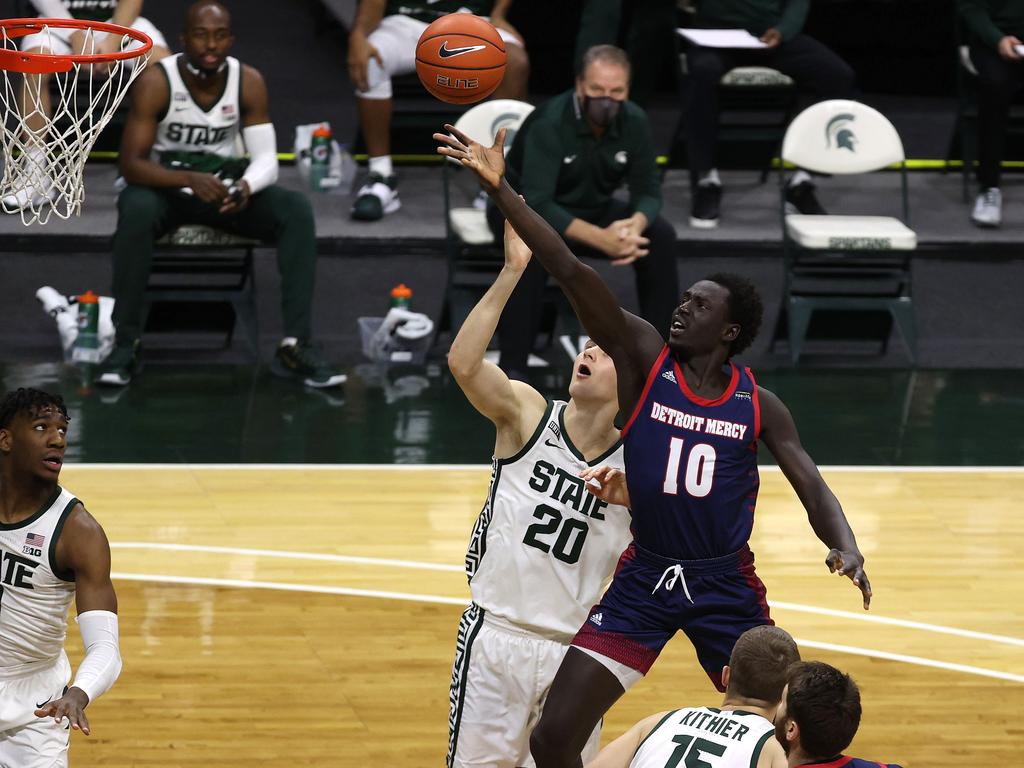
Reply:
x=376, y=198
x=29, y=197
x=988, y=208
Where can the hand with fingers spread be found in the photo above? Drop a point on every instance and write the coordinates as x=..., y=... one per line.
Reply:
x=72, y=706
x=607, y=483
x=488, y=163
x=851, y=565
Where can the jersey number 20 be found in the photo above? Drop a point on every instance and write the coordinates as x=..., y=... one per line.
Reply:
x=700, y=469
x=569, y=543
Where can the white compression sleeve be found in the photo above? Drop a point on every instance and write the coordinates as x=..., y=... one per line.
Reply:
x=261, y=141
x=102, y=663
x=51, y=9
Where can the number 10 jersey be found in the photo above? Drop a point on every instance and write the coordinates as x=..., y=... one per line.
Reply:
x=544, y=547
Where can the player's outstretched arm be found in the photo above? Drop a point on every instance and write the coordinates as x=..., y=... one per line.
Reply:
x=779, y=433
x=83, y=550
x=620, y=752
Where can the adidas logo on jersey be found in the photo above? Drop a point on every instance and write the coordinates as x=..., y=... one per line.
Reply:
x=596, y=618
x=669, y=375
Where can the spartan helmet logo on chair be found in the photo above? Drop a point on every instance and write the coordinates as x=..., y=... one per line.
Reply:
x=839, y=134
x=509, y=120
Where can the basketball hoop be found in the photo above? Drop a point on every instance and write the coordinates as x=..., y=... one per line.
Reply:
x=47, y=153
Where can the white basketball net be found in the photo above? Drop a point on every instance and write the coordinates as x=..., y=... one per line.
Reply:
x=44, y=150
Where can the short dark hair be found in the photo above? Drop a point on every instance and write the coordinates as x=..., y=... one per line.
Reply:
x=745, y=308
x=193, y=9
x=825, y=704
x=31, y=401
x=758, y=664
x=609, y=54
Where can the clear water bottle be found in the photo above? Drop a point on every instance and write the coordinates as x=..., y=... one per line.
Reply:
x=87, y=344
x=319, y=157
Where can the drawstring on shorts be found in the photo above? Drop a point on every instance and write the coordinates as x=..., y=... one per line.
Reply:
x=671, y=575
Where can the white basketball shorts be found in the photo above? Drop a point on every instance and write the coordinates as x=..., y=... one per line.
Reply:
x=500, y=679
x=27, y=741
x=58, y=39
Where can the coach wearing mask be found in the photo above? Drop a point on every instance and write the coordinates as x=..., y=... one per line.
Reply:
x=568, y=158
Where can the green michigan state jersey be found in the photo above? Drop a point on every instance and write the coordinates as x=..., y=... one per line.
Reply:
x=430, y=10
x=91, y=10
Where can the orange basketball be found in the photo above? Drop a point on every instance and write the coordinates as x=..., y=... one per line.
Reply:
x=460, y=58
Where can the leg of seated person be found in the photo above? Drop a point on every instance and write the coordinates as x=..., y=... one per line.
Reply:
x=704, y=70
x=997, y=81
x=517, y=74
x=815, y=67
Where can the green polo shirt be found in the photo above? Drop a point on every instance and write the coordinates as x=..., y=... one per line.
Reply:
x=565, y=172
x=755, y=16
x=992, y=20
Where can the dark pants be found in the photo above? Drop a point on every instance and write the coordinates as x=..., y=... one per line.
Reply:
x=812, y=66
x=274, y=215
x=657, y=285
x=998, y=79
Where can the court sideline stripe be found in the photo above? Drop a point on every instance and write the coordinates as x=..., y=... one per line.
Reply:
x=246, y=584
x=853, y=468
x=372, y=561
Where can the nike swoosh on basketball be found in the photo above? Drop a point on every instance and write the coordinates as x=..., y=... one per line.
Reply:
x=446, y=53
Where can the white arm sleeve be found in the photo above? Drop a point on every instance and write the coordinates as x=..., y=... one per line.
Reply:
x=51, y=9
x=102, y=663
x=261, y=142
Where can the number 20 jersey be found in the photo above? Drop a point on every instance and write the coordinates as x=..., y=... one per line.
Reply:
x=544, y=547
x=691, y=464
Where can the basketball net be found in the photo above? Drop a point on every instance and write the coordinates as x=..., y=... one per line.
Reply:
x=44, y=154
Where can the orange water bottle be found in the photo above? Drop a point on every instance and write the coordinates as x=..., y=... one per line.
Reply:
x=401, y=296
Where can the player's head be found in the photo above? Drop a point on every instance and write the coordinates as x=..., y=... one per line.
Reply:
x=758, y=664
x=723, y=309
x=33, y=433
x=820, y=711
x=602, y=83
x=207, y=37
x=593, y=376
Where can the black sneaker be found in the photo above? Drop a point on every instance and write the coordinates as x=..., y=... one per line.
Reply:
x=302, y=361
x=800, y=199
x=376, y=198
x=121, y=364
x=707, y=199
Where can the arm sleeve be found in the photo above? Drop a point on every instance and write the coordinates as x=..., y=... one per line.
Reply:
x=794, y=16
x=261, y=142
x=542, y=160
x=51, y=9
x=976, y=16
x=102, y=663
x=644, y=177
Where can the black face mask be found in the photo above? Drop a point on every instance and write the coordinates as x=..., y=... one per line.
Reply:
x=601, y=110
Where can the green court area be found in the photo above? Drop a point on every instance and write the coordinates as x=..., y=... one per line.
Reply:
x=417, y=414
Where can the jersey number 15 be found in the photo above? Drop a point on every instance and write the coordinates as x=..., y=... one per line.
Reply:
x=700, y=469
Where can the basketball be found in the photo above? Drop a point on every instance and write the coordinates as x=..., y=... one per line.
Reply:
x=460, y=58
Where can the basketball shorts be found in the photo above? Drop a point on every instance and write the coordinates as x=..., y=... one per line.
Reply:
x=27, y=741
x=59, y=38
x=395, y=38
x=500, y=680
x=713, y=601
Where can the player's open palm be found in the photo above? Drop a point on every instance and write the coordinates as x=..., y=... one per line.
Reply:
x=71, y=706
x=488, y=163
x=517, y=253
x=851, y=565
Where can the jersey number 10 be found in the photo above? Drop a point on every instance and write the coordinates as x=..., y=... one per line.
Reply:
x=700, y=469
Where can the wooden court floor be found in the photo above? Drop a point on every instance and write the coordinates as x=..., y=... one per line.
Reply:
x=306, y=615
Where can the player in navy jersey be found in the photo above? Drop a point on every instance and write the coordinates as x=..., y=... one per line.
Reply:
x=818, y=718
x=694, y=419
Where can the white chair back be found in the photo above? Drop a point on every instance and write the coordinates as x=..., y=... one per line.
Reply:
x=841, y=137
x=482, y=122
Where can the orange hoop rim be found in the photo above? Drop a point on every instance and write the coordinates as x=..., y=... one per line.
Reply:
x=41, y=63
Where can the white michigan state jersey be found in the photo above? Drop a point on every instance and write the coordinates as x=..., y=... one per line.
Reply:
x=192, y=138
x=705, y=736
x=34, y=595
x=543, y=547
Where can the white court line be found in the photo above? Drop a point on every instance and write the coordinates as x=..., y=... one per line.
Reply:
x=852, y=468
x=245, y=584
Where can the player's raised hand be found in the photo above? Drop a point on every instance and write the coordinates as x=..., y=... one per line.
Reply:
x=607, y=483
x=488, y=163
x=851, y=565
x=517, y=253
x=72, y=706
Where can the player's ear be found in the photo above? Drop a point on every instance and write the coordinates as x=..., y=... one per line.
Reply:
x=5, y=440
x=725, y=676
x=731, y=332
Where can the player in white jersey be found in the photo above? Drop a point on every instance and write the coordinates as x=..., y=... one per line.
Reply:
x=51, y=550
x=738, y=734
x=544, y=545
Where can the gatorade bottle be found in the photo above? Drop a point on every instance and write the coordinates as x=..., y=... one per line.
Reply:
x=87, y=345
x=319, y=157
x=401, y=296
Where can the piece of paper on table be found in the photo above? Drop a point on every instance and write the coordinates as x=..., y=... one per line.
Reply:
x=721, y=38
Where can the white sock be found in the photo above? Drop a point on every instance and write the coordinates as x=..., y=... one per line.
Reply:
x=799, y=177
x=381, y=165
x=711, y=177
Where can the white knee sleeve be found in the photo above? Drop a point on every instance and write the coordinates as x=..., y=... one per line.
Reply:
x=379, y=82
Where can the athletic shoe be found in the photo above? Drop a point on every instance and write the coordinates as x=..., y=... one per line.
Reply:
x=121, y=364
x=988, y=208
x=376, y=198
x=704, y=209
x=800, y=199
x=29, y=197
x=302, y=360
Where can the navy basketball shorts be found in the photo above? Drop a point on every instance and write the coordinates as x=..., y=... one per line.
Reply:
x=713, y=601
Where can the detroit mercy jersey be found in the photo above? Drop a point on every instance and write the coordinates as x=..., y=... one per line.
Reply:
x=543, y=547
x=692, y=464
x=844, y=761
x=705, y=736
x=191, y=138
x=34, y=594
